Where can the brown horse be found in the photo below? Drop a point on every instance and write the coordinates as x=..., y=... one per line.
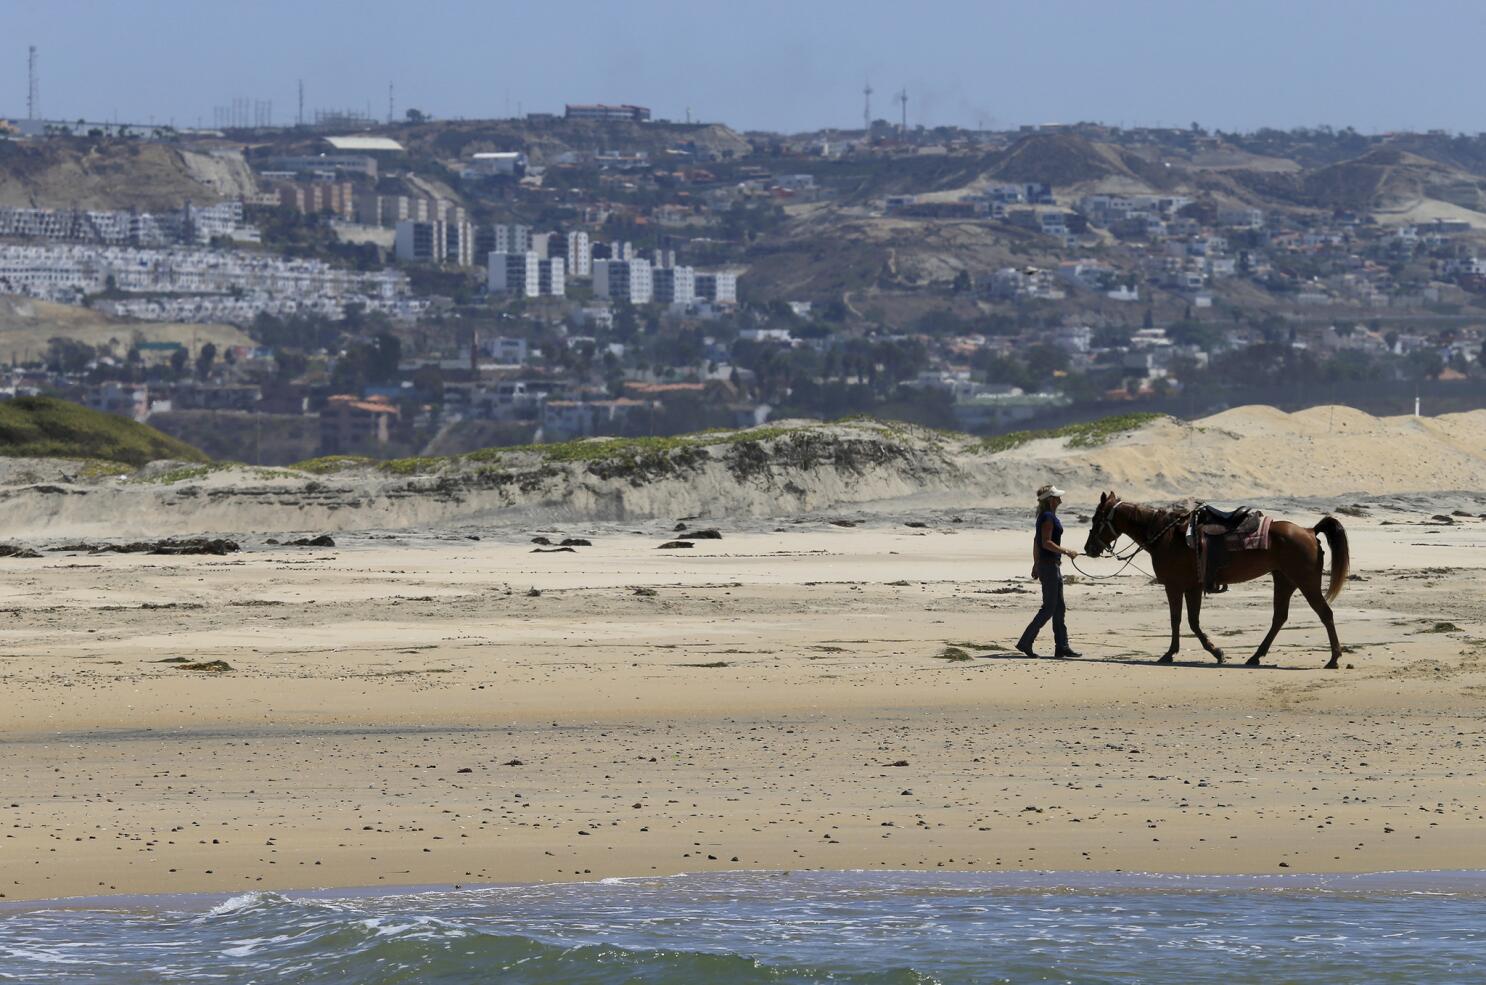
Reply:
x=1294, y=557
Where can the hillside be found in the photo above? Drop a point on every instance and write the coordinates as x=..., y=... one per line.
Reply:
x=1255, y=455
x=27, y=325
x=117, y=174
x=44, y=427
x=1061, y=160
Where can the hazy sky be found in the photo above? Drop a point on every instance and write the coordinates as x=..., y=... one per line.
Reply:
x=764, y=64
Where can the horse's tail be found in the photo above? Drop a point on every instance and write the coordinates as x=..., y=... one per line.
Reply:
x=1341, y=558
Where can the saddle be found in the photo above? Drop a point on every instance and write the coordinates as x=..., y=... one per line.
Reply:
x=1215, y=534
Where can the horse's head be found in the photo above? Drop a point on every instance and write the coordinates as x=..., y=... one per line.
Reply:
x=1102, y=532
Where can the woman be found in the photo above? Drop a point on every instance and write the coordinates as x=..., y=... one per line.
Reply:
x=1047, y=566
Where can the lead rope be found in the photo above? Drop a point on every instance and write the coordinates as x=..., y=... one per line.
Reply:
x=1129, y=559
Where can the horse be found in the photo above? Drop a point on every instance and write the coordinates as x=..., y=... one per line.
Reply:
x=1294, y=557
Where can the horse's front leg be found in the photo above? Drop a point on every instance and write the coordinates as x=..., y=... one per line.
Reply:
x=1174, y=600
x=1194, y=619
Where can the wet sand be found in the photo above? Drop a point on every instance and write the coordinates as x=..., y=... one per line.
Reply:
x=448, y=711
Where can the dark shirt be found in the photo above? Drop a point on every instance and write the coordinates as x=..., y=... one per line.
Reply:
x=1047, y=556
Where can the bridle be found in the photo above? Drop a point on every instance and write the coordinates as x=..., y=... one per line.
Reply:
x=1106, y=514
x=1104, y=523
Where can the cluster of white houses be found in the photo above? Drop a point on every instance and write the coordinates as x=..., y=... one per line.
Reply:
x=70, y=273
x=128, y=227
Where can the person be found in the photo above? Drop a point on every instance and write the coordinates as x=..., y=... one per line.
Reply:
x=1047, y=567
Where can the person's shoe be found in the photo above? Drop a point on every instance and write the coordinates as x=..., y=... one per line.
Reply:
x=1067, y=651
x=1028, y=651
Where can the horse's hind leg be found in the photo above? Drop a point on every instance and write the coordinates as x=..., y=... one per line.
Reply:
x=1283, y=589
x=1317, y=598
x=1174, y=600
x=1194, y=619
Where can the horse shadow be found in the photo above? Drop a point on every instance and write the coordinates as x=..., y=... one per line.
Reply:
x=1136, y=660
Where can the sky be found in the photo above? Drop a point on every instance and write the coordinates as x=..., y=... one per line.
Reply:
x=763, y=64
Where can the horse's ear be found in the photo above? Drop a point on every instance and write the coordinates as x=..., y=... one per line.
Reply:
x=1102, y=498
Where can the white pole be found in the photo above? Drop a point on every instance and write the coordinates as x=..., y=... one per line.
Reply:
x=1416, y=406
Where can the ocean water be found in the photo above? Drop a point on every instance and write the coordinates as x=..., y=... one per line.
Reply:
x=845, y=927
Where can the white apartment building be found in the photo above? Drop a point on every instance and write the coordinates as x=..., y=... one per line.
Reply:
x=502, y=238
x=624, y=280
x=720, y=287
x=419, y=242
x=552, y=277
x=580, y=255
x=544, y=244
x=516, y=274
x=435, y=242
x=675, y=285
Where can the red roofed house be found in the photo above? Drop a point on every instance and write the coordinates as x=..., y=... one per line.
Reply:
x=351, y=425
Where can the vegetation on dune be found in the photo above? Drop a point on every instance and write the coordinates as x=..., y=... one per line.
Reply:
x=658, y=455
x=45, y=427
x=1084, y=434
x=632, y=450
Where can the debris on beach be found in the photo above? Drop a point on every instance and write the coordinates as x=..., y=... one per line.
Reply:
x=210, y=666
x=674, y=544
x=170, y=545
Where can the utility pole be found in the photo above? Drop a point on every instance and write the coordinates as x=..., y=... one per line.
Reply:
x=390, y=103
x=867, y=107
x=299, y=120
x=902, y=97
x=33, y=86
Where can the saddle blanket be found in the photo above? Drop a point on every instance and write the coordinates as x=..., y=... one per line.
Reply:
x=1246, y=538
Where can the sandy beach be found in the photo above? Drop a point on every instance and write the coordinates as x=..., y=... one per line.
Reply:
x=432, y=709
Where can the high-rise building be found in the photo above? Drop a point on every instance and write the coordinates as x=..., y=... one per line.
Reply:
x=435, y=241
x=420, y=241
x=624, y=280
x=579, y=256
x=542, y=244
x=459, y=242
x=675, y=285
x=516, y=274
x=552, y=277
x=719, y=288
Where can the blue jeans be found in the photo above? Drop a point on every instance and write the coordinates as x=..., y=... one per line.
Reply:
x=1051, y=576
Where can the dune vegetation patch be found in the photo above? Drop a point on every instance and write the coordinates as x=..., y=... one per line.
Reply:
x=1084, y=434
x=46, y=427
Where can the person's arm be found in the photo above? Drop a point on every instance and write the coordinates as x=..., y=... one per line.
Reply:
x=1047, y=541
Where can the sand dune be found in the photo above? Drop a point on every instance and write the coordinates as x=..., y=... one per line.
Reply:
x=1248, y=453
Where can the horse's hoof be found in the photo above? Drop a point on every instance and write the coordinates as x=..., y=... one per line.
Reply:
x=1252, y=661
x=1218, y=654
x=1331, y=666
x=1166, y=658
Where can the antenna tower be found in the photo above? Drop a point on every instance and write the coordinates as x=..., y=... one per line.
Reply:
x=867, y=106
x=300, y=118
x=390, y=103
x=33, y=85
x=902, y=97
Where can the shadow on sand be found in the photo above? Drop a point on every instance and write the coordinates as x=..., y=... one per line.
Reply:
x=1138, y=660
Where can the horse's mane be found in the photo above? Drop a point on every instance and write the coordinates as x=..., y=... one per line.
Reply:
x=1158, y=518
